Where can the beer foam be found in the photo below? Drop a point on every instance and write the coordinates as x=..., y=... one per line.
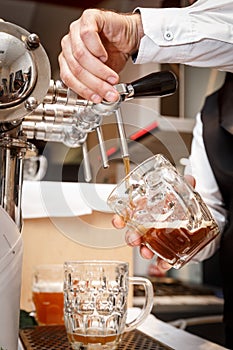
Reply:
x=176, y=224
x=47, y=287
x=163, y=224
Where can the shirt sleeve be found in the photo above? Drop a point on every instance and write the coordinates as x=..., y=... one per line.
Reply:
x=206, y=185
x=197, y=35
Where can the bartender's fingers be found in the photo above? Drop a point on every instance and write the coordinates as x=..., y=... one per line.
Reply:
x=70, y=80
x=133, y=238
x=118, y=221
x=87, y=27
x=154, y=270
x=145, y=252
x=75, y=49
x=84, y=82
x=78, y=57
x=191, y=180
x=162, y=265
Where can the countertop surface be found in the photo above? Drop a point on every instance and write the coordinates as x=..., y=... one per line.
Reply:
x=169, y=335
x=175, y=337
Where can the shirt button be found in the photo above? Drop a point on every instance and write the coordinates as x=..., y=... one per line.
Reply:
x=168, y=35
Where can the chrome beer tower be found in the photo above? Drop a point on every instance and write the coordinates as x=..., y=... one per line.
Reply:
x=32, y=106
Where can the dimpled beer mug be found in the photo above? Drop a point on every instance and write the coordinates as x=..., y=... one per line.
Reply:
x=47, y=294
x=165, y=210
x=95, y=299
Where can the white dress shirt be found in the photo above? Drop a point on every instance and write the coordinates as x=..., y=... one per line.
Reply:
x=206, y=186
x=199, y=35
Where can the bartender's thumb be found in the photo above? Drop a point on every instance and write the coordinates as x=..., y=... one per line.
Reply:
x=191, y=180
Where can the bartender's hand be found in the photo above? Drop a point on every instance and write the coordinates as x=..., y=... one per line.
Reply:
x=133, y=238
x=96, y=48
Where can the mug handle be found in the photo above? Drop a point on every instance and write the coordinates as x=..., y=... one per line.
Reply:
x=147, y=307
x=43, y=165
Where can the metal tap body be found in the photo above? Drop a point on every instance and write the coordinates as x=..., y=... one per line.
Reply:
x=33, y=106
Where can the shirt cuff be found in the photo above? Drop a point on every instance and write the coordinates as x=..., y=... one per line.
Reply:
x=168, y=26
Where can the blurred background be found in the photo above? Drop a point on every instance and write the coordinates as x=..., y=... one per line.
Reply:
x=170, y=121
x=51, y=20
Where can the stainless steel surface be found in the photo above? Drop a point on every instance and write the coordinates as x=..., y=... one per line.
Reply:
x=54, y=337
x=12, y=152
x=25, y=71
x=194, y=307
x=153, y=334
x=24, y=79
x=122, y=135
x=172, y=296
x=34, y=106
x=102, y=147
x=86, y=163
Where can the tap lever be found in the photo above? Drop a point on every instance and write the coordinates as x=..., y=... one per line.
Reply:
x=155, y=84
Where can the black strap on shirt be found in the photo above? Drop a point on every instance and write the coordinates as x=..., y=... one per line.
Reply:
x=217, y=116
x=226, y=104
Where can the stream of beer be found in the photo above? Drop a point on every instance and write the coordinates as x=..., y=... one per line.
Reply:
x=126, y=161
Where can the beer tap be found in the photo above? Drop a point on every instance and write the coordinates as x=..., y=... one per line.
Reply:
x=33, y=106
x=68, y=119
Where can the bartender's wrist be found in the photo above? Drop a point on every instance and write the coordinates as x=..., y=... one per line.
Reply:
x=140, y=33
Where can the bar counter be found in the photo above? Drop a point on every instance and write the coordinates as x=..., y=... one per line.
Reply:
x=172, y=337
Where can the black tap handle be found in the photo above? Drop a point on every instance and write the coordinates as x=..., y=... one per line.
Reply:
x=155, y=84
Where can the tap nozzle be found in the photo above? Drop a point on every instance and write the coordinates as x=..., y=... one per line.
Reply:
x=103, y=152
x=121, y=132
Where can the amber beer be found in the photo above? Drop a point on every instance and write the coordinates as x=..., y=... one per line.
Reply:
x=93, y=339
x=49, y=307
x=126, y=161
x=47, y=294
x=175, y=243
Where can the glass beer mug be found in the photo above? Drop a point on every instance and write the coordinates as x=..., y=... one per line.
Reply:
x=171, y=217
x=95, y=299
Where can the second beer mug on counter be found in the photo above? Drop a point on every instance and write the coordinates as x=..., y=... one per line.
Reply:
x=47, y=294
x=172, y=219
x=95, y=298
